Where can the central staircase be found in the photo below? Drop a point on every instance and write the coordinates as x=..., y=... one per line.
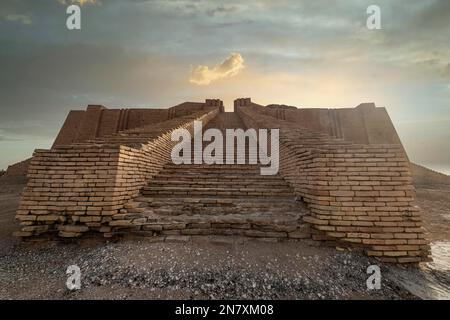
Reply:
x=219, y=199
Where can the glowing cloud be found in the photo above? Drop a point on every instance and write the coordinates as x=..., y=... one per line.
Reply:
x=203, y=75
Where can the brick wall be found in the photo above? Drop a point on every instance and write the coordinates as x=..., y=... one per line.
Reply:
x=358, y=194
x=97, y=121
x=362, y=124
x=77, y=188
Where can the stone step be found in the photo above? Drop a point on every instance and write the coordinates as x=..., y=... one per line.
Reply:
x=234, y=169
x=219, y=205
x=171, y=211
x=149, y=190
x=204, y=167
x=220, y=182
x=253, y=204
x=214, y=177
x=175, y=210
x=214, y=193
x=221, y=174
x=268, y=217
x=220, y=200
x=198, y=176
x=237, y=155
x=161, y=211
x=243, y=166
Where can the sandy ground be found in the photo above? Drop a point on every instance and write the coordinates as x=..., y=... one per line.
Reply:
x=10, y=189
x=216, y=269
x=435, y=203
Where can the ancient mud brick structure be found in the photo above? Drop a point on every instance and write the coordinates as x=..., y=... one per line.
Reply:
x=344, y=179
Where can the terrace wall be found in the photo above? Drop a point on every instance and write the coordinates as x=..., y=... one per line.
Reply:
x=97, y=121
x=364, y=124
x=358, y=194
x=77, y=188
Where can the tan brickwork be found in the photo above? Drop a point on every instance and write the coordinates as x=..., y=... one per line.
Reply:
x=358, y=194
x=78, y=188
x=110, y=178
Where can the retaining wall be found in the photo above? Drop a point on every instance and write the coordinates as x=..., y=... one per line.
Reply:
x=77, y=188
x=358, y=194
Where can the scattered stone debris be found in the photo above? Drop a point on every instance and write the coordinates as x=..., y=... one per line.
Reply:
x=136, y=269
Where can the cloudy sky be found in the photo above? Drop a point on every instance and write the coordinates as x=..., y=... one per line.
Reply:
x=158, y=53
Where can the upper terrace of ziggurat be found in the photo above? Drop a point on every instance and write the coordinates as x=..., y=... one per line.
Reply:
x=344, y=179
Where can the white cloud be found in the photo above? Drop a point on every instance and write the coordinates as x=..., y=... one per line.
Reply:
x=231, y=66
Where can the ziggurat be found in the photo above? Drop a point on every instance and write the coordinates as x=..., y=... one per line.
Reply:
x=344, y=179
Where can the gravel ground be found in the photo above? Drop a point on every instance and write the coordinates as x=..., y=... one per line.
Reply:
x=132, y=269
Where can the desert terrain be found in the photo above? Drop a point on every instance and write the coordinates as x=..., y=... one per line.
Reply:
x=219, y=268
